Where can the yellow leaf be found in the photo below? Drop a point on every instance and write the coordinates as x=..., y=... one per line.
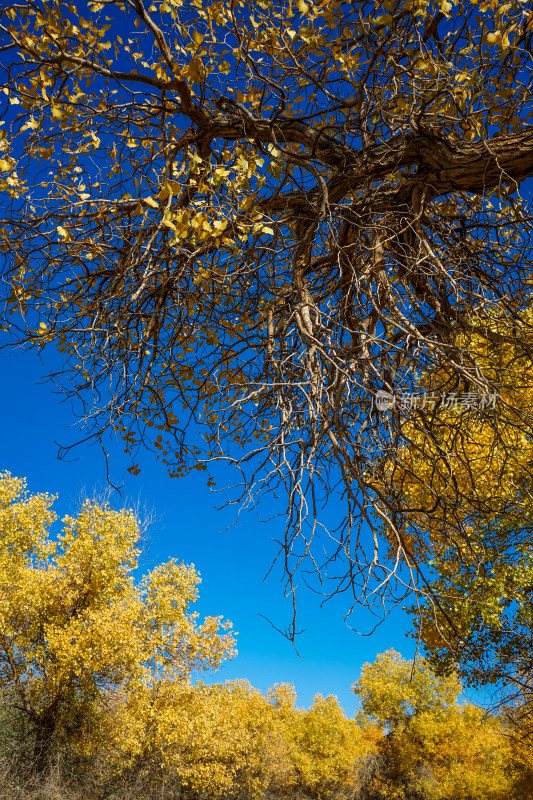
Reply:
x=384, y=19
x=31, y=123
x=150, y=201
x=61, y=231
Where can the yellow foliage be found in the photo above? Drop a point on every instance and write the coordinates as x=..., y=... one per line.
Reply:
x=468, y=753
x=229, y=738
x=74, y=624
x=392, y=690
x=433, y=747
x=329, y=747
x=467, y=456
x=103, y=663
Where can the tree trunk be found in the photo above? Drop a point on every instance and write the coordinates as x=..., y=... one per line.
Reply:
x=44, y=744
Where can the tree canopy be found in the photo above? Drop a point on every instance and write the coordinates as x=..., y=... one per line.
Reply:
x=393, y=690
x=95, y=671
x=431, y=741
x=240, y=223
x=477, y=616
x=74, y=625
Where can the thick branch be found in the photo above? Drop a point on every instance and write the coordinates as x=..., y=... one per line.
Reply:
x=442, y=167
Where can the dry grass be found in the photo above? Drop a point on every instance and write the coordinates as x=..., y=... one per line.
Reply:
x=63, y=782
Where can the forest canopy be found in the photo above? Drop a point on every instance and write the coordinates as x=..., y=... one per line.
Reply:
x=98, y=697
x=243, y=225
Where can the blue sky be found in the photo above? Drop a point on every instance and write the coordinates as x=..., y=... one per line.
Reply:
x=186, y=525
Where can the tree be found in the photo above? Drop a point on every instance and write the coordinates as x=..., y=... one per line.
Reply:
x=251, y=221
x=478, y=618
x=229, y=739
x=329, y=747
x=482, y=624
x=433, y=748
x=208, y=740
x=75, y=626
x=393, y=690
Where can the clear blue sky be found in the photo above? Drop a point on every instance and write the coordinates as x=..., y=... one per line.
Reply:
x=187, y=526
